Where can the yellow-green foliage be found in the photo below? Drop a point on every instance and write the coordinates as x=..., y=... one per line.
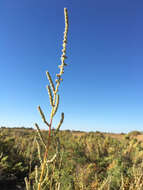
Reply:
x=134, y=133
x=86, y=160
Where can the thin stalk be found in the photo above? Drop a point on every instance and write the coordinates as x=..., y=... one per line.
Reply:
x=45, y=156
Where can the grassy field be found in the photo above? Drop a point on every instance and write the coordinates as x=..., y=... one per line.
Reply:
x=89, y=161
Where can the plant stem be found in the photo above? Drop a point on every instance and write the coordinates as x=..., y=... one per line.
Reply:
x=45, y=156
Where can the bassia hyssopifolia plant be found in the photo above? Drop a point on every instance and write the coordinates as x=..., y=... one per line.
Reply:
x=45, y=176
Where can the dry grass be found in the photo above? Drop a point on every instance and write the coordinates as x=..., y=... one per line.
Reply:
x=113, y=135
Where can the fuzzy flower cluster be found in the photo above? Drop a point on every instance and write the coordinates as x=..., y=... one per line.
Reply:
x=52, y=90
x=63, y=56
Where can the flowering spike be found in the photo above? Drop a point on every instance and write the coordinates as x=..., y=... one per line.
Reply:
x=50, y=95
x=50, y=80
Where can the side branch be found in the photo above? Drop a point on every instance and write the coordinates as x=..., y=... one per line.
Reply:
x=43, y=116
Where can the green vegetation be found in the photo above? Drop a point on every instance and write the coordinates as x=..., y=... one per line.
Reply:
x=87, y=160
x=134, y=133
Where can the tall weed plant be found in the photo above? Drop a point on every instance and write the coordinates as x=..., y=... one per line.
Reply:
x=47, y=175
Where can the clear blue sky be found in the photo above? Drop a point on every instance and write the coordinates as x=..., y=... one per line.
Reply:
x=103, y=83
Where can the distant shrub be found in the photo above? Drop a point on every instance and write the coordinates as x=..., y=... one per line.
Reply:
x=134, y=133
x=122, y=133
